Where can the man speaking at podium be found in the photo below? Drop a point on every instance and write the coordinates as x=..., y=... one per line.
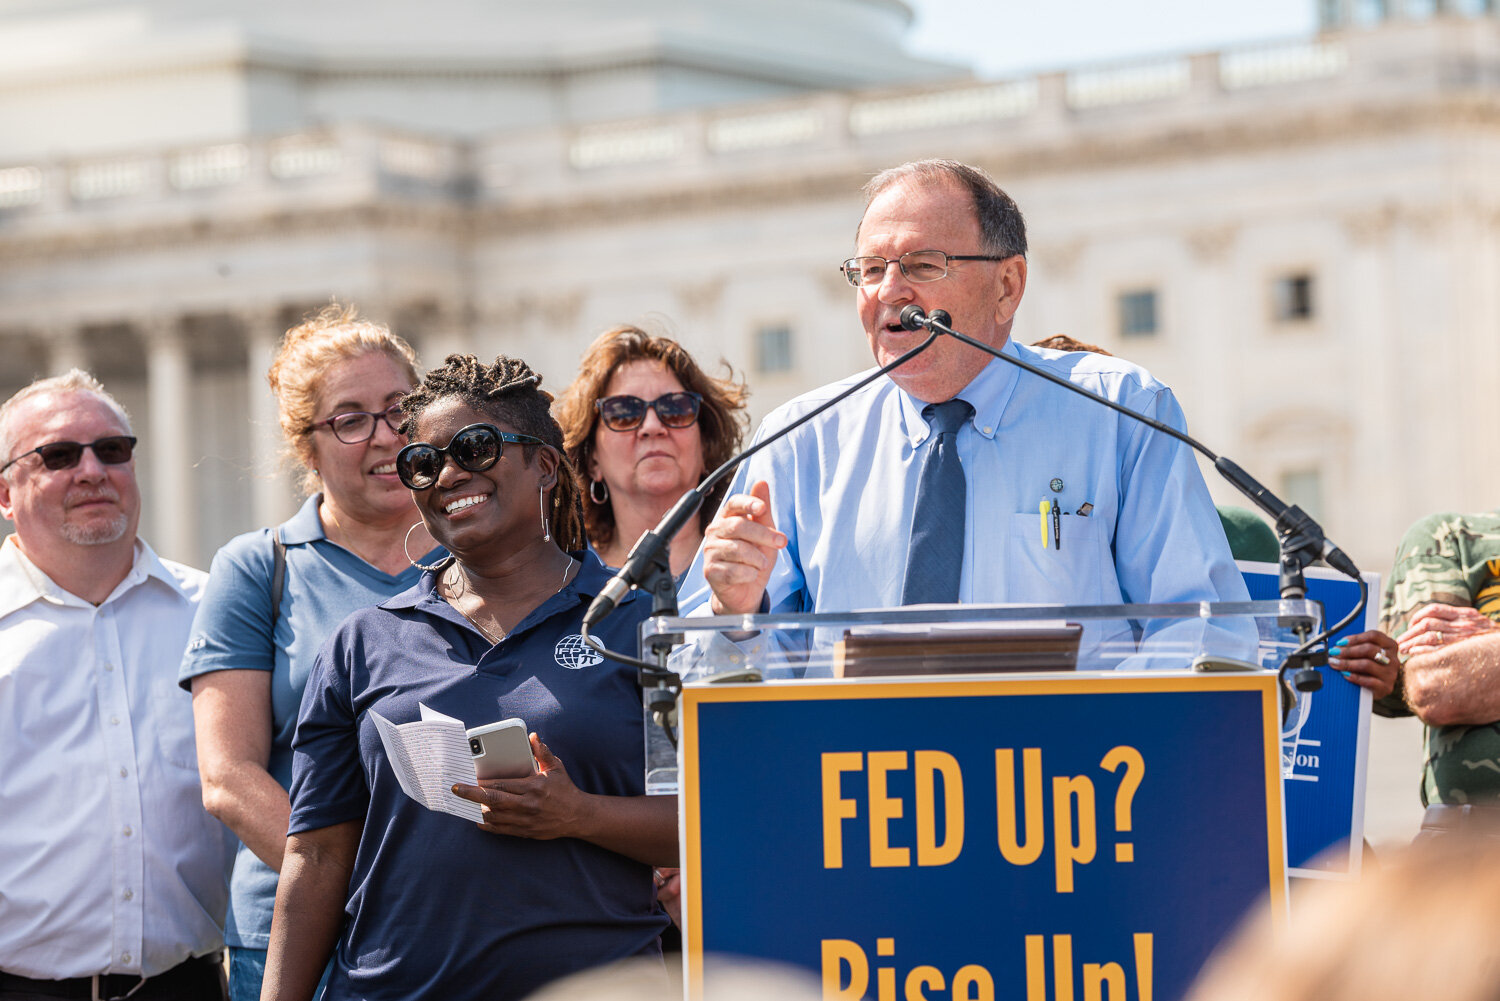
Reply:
x=959, y=477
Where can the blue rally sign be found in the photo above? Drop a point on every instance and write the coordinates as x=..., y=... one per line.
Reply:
x=1325, y=739
x=1058, y=839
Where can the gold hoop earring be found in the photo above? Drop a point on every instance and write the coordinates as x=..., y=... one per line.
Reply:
x=406, y=548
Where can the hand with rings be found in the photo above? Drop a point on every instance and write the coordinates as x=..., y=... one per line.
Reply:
x=1436, y=626
x=1367, y=659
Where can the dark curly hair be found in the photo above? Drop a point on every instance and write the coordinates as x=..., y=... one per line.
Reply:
x=509, y=392
x=721, y=419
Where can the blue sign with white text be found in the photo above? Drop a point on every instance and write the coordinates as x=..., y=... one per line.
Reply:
x=1009, y=838
x=1324, y=741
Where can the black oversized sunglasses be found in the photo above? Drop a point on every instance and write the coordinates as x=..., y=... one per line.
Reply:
x=475, y=448
x=112, y=451
x=626, y=413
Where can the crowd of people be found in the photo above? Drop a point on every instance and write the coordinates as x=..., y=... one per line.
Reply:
x=458, y=524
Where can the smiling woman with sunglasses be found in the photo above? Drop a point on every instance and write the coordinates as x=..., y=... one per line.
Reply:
x=644, y=424
x=557, y=875
x=274, y=595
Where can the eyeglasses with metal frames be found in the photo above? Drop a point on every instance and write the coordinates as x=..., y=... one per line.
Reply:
x=475, y=448
x=114, y=450
x=916, y=265
x=359, y=425
x=626, y=413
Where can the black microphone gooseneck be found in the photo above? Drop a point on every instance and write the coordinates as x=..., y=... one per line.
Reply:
x=1300, y=537
x=647, y=566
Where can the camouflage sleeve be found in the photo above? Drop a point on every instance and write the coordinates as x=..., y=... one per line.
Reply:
x=1428, y=570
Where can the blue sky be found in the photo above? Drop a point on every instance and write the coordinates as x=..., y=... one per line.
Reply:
x=1009, y=37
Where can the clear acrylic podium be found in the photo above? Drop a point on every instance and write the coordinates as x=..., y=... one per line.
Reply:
x=989, y=831
x=740, y=649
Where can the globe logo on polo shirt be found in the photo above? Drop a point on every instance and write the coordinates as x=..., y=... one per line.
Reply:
x=574, y=654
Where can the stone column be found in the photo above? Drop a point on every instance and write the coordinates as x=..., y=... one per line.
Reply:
x=1214, y=338
x=65, y=350
x=444, y=335
x=272, y=495
x=173, y=498
x=1380, y=505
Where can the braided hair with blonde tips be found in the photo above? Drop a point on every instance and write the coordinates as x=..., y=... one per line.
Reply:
x=508, y=391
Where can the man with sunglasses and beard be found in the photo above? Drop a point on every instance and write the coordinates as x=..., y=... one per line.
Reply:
x=113, y=879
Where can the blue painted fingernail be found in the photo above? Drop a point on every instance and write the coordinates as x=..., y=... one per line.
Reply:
x=1347, y=675
x=1341, y=643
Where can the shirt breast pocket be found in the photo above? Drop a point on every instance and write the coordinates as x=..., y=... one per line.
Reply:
x=1077, y=573
x=172, y=722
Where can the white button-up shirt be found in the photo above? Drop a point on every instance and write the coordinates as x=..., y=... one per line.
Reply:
x=108, y=861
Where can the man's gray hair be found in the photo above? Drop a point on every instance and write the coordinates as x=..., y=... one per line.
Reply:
x=74, y=381
x=1002, y=230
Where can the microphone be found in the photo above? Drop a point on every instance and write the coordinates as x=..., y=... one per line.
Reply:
x=913, y=318
x=648, y=555
x=1292, y=523
x=1302, y=539
x=650, y=548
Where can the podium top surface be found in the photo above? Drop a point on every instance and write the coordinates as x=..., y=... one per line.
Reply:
x=964, y=639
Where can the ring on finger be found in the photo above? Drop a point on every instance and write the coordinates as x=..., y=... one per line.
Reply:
x=1439, y=635
x=1381, y=659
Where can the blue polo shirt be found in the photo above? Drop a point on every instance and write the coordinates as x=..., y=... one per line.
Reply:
x=233, y=631
x=437, y=907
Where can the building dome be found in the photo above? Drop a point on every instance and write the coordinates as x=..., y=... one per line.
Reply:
x=221, y=68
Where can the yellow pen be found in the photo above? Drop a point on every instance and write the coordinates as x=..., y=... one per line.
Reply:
x=1045, y=508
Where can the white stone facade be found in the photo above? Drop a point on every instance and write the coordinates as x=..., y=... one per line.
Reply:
x=1358, y=161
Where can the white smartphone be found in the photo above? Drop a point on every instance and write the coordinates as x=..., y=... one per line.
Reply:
x=502, y=750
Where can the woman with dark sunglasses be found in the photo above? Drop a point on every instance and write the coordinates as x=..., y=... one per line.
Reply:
x=274, y=595
x=643, y=425
x=557, y=876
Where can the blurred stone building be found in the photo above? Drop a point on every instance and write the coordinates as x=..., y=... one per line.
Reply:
x=1300, y=237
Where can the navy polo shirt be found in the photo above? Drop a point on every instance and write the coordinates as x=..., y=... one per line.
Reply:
x=437, y=907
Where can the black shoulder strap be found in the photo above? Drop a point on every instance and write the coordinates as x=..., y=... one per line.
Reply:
x=278, y=575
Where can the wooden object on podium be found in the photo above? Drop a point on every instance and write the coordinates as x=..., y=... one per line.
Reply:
x=959, y=648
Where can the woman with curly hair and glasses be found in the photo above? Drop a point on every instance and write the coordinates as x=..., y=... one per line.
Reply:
x=556, y=875
x=274, y=595
x=643, y=424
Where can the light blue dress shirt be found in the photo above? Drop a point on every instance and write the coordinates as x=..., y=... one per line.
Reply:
x=843, y=489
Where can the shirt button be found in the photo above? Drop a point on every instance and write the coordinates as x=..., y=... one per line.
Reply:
x=114, y=721
x=109, y=667
x=127, y=831
x=124, y=957
x=123, y=773
x=127, y=895
x=988, y=429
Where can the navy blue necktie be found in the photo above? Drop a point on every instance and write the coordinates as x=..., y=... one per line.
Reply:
x=935, y=559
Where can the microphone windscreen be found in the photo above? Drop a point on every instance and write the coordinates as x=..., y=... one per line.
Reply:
x=912, y=317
